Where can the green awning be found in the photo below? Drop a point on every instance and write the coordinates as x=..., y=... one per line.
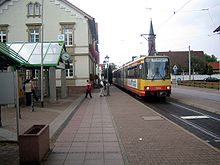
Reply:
x=31, y=52
x=10, y=57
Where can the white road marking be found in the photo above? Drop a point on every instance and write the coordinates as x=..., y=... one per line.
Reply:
x=194, y=117
x=198, y=127
x=195, y=111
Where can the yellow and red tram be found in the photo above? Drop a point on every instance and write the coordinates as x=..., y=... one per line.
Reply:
x=146, y=76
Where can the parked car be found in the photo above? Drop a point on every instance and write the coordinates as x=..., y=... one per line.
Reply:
x=211, y=79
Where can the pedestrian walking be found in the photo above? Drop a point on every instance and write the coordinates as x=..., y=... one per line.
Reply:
x=104, y=82
x=88, y=89
x=101, y=88
x=27, y=89
x=33, y=89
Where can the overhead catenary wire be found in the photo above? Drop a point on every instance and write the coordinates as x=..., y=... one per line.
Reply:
x=175, y=12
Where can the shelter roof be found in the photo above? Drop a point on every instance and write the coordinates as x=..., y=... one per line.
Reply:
x=31, y=52
x=9, y=57
x=26, y=54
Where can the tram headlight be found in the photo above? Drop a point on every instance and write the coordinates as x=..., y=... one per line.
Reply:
x=147, y=88
x=168, y=87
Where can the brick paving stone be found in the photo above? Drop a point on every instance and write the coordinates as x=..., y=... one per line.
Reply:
x=114, y=162
x=90, y=135
x=94, y=156
x=155, y=141
x=9, y=153
x=94, y=162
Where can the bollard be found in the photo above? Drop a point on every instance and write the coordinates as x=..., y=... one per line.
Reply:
x=108, y=92
x=32, y=103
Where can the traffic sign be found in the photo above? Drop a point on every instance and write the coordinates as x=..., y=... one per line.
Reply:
x=175, y=68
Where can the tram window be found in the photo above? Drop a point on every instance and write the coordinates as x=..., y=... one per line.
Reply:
x=133, y=72
x=140, y=71
x=145, y=70
x=156, y=68
x=126, y=73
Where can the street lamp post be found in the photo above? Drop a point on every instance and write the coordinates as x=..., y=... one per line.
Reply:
x=107, y=85
x=41, y=65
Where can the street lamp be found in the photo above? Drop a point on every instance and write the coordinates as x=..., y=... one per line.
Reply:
x=41, y=64
x=107, y=62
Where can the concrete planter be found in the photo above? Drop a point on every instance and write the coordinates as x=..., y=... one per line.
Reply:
x=34, y=144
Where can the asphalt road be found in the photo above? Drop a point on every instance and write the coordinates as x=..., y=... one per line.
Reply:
x=203, y=94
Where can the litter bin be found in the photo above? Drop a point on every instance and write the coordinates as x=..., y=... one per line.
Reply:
x=34, y=144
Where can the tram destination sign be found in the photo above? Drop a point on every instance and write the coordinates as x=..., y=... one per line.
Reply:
x=156, y=59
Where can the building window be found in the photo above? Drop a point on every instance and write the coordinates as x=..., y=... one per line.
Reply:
x=3, y=33
x=37, y=9
x=30, y=9
x=69, y=72
x=34, y=35
x=68, y=35
x=33, y=9
x=68, y=29
x=34, y=32
x=3, y=36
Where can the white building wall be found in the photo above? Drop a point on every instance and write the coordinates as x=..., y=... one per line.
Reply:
x=15, y=19
x=54, y=13
x=15, y=16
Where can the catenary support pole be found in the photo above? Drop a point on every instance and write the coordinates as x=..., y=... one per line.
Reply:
x=189, y=64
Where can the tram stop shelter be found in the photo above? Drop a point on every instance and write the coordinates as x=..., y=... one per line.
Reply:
x=27, y=56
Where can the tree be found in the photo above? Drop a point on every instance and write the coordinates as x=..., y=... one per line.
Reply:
x=109, y=74
x=211, y=58
x=198, y=65
x=113, y=66
x=209, y=70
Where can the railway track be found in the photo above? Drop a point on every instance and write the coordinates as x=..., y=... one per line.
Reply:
x=203, y=124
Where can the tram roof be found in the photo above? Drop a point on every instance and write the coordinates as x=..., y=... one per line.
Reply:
x=138, y=60
x=141, y=59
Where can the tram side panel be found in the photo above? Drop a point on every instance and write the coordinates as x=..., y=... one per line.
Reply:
x=133, y=78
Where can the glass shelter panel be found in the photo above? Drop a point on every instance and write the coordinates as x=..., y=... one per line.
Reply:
x=26, y=50
x=16, y=46
x=53, y=53
x=31, y=52
x=35, y=56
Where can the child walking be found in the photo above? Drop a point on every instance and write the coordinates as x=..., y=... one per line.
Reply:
x=88, y=89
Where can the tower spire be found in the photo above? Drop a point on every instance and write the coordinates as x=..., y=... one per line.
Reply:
x=151, y=41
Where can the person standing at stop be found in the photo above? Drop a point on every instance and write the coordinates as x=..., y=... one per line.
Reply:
x=28, y=90
x=88, y=89
x=101, y=89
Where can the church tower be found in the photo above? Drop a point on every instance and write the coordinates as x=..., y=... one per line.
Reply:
x=151, y=41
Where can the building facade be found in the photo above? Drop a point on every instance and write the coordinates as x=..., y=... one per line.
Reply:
x=181, y=58
x=27, y=20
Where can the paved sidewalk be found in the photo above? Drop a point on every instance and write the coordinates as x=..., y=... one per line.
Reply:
x=55, y=114
x=115, y=129
x=89, y=138
x=149, y=138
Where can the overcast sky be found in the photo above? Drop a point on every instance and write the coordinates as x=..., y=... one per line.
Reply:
x=177, y=24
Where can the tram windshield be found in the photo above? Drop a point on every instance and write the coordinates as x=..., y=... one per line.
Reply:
x=156, y=68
